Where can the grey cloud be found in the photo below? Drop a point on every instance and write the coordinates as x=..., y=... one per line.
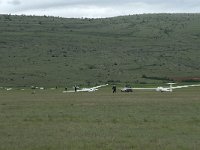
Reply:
x=14, y=2
x=106, y=3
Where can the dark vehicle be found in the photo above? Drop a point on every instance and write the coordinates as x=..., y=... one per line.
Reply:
x=127, y=89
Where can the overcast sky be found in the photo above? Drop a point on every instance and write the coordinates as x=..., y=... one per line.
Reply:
x=97, y=8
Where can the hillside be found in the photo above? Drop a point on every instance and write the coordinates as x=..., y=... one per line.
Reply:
x=50, y=51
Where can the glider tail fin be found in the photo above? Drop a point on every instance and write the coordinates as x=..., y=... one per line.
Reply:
x=171, y=86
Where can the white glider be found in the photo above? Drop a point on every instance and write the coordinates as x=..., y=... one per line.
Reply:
x=162, y=89
x=8, y=89
x=92, y=89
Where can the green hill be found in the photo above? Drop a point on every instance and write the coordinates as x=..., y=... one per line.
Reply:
x=50, y=51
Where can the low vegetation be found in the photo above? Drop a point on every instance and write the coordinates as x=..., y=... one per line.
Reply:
x=50, y=51
x=51, y=120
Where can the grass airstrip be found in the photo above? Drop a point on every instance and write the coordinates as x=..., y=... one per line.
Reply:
x=52, y=120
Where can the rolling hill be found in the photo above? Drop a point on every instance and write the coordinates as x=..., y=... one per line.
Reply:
x=53, y=51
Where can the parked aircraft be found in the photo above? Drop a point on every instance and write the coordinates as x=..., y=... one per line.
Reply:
x=8, y=89
x=92, y=89
x=161, y=89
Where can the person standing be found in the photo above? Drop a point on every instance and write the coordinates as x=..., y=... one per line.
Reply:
x=114, y=88
x=75, y=88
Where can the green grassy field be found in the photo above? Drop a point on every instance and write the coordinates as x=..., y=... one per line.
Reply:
x=51, y=120
x=50, y=51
